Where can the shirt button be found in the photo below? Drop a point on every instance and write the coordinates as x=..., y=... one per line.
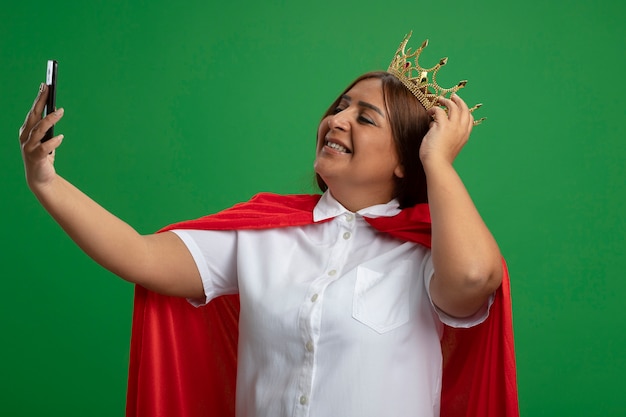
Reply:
x=309, y=346
x=314, y=297
x=303, y=400
x=349, y=217
x=332, y=272
x=347, y=235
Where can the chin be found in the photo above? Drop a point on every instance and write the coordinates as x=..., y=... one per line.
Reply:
x=320, y=169
x=316, y=166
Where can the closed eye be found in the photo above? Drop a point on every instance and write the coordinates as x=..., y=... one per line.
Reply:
x=367, y=120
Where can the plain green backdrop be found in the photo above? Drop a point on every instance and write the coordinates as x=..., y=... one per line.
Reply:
x=176, y=110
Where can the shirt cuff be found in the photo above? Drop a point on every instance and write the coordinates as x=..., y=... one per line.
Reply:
x=460, y=322
x=198, y=258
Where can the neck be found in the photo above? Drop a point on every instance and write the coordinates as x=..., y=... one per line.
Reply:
x=355, y=201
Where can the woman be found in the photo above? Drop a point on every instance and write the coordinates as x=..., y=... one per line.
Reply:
x=337, y=318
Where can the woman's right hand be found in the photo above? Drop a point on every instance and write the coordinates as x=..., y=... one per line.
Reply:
x=39, y=157
x=160, y=262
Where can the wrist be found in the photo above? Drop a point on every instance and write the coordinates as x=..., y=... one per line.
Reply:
x=435, y=162
x=41, y=187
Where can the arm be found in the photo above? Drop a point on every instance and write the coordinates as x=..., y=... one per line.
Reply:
x=160, y=262
x=466, y=257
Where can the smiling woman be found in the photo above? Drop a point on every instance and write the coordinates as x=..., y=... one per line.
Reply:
x=359, y=281
x=407, y=121
x=356, y=157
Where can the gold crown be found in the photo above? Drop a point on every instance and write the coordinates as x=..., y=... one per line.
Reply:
x=415, y=77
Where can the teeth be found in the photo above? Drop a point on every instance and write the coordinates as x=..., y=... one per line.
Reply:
x=337, y=147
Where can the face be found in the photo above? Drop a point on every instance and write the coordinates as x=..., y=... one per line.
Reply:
x=356, y=155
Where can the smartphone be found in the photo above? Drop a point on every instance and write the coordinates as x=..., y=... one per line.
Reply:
x=51, y=82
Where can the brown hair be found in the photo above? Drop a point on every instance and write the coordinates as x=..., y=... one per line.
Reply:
x=409, y=123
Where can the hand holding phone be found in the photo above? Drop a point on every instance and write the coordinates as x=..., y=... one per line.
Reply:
x=51, y=82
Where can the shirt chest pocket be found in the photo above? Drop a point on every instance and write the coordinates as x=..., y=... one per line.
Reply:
x=382, y=299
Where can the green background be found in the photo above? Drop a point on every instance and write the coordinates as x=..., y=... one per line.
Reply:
x=175, y=110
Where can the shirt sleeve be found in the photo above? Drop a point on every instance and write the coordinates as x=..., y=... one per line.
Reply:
x=215, y=255
x=462, y=322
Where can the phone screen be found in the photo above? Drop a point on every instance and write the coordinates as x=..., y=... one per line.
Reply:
x=51, y=81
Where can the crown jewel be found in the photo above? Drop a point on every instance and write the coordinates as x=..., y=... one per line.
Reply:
x=416, y=78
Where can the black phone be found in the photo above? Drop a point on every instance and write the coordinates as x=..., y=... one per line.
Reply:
x=51, y=103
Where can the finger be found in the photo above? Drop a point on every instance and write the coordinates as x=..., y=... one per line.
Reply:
x=445, y=102
x=438, y=115
x=450, y=107
x=466, y=118
x=36, y=110
x=461, y=110
x=42, y=150
x=49, y=147
x=459, y=102
x=41, y=127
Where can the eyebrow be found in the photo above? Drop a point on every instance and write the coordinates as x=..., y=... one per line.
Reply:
x=363, y=104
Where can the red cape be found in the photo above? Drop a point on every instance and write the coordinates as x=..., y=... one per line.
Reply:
x=183, y=360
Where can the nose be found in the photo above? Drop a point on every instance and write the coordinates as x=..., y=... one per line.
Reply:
x=339, y=121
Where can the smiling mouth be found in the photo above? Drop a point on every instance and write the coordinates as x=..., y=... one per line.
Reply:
x=337, y=147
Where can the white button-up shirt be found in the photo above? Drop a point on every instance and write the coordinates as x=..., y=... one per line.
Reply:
x=336, y=318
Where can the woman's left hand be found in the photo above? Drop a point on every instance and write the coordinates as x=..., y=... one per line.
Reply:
x=449, y=132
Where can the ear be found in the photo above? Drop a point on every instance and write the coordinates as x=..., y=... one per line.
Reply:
x=399, y=171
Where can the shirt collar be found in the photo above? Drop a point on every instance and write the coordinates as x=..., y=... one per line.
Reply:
x=328, y=208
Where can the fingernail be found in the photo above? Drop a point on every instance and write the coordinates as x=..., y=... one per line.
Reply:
x=59, y=112
x=41, y=87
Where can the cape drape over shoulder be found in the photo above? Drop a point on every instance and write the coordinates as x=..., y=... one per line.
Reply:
x=183, y=360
